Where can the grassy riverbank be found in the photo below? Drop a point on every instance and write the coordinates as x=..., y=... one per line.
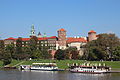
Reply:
x=63, y=63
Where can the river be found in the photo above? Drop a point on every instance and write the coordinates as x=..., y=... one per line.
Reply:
x=57, y=75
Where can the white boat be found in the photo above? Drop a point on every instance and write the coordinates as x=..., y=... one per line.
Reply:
x=24, y=67
x=89, y=69
x=44, y=66
x=41, y=66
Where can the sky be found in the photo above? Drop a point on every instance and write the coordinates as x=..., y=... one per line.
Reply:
x=77, y=17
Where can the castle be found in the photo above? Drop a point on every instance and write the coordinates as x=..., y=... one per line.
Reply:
x=56, y=42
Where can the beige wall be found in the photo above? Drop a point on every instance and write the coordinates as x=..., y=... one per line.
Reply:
x=8, y=41
x=76, y=44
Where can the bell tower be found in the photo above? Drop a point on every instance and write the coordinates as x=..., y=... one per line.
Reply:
x=62, y=38
x=32, y=31
x=92, y=35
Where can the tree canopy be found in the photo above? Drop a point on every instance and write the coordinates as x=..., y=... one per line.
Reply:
x=102, y=48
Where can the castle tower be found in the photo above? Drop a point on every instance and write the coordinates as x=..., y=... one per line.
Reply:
x=92, y=35
x=62, y=38
x=32, y=31
x=39, y=35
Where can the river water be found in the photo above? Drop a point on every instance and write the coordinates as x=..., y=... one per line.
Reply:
x=57, y=75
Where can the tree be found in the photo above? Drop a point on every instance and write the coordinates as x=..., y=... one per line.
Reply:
x=1, y=49
x=96, y=53
x=43, y=47
x=33, y=43
x=36, y=54
x=6, y=58
x=19, y=46
x=71, y=53
x=116, y=53
x=60, y=54
x=102, y=48
x=45, y=54
x=10, y=50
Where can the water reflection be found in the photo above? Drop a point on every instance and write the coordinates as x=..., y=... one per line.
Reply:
x=83, y=76
x=38, y=71
x=54, y=75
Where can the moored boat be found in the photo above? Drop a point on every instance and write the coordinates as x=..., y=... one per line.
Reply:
x=89, y=69
x=44, y=66
x=24, y=67
x=41, y=66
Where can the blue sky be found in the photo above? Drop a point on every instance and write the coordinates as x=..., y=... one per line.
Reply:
x=76, y=16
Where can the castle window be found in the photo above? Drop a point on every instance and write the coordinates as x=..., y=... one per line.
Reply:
x=22, y=42
x=45, y=44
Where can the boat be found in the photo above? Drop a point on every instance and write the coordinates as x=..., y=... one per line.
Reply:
x=89, y=69
x=41, y=66
x=9, y=67
x=24, y=67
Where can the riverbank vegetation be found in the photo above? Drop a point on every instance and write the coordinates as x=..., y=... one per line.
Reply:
x=106, y=47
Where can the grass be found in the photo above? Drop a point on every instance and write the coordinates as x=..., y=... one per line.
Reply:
x=14, y=62
x=62, y=64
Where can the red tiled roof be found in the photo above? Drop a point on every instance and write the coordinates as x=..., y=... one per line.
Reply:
x=61, y=29
x=25, y=39
x=45, y=38
x=70, y=40
x=92, y=31
x=52, y=37
x=11, y=38
x=42, y=38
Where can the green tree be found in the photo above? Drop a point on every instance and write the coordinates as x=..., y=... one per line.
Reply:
x=6, y=58
x=116, y=53
x=33, y=46
x=33, y=43
x=71, y=53
x=43, y=47
x=36, y=54
x=1, y=49
x=45, y=54
x=60, y=54
x=10, y=50
x=19, y=46
x=102, y=48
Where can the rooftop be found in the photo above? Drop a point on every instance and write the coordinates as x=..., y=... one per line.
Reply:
x=71, y=39
x=61, y=29
x=92, y=31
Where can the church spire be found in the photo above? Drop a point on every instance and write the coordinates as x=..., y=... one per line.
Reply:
x=32, y=31
x=39, y=35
